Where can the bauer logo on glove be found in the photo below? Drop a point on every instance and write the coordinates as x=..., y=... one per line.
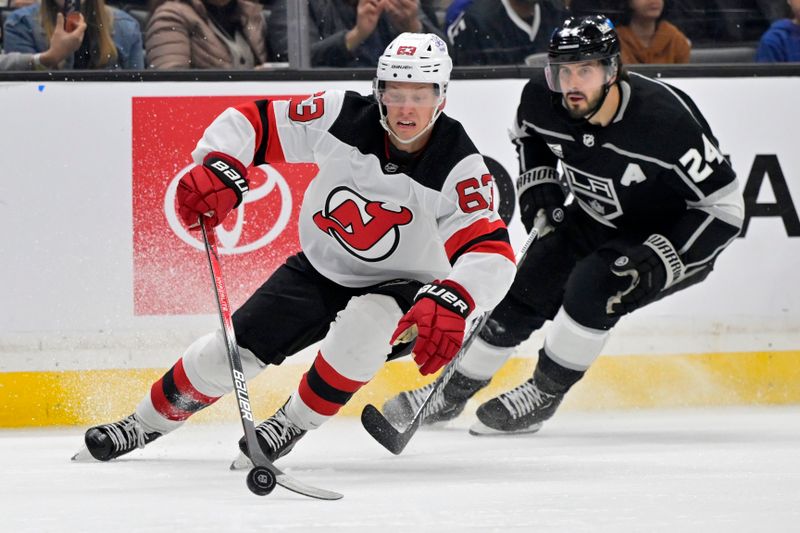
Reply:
x=212, y=189
x=437, y=320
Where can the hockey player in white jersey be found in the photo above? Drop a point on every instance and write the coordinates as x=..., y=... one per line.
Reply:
x=655, y=204
x=400, y=239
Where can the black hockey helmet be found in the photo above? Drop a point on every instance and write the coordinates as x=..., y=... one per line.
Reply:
x=583, y=39
x=589, y=38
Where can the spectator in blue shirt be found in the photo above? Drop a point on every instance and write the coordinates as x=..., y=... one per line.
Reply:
x=62, y=45
x=113, y=39
x=781, y=42
x=455, y=8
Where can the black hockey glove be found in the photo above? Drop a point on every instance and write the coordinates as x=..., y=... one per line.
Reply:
x=652, y=267
x=540, y=190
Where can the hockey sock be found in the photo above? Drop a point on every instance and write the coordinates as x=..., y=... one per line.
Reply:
x=552, y=378
x=322, y=392
x=175, y=398
x=483, y=360
x=573, y=345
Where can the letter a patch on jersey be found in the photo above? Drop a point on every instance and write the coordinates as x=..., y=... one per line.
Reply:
x=633, y=174
x=367, y=229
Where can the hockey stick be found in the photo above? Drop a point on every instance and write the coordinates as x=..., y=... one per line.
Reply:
x=395, y=440
x=263, y=477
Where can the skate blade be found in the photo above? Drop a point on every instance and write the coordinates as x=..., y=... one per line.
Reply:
x=83, y=456
x=479, y=429
x=242, y=462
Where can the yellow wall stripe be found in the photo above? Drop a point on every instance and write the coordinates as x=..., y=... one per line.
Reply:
x=93, y=396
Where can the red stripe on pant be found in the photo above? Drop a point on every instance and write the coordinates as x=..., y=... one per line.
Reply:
x=324, y=390
x=174, y=396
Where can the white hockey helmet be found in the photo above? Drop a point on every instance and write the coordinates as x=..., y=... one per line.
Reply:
x=414, y=58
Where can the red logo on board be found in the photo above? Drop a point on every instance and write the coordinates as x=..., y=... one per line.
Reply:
x=170, y=274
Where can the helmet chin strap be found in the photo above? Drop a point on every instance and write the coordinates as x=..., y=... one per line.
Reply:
x=606, y=88
x=439, y=107
x=588, y=116
x=415, y=137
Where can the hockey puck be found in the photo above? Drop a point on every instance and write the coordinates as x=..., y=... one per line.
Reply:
x=261, y=480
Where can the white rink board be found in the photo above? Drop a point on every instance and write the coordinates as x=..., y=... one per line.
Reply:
x=65, y=199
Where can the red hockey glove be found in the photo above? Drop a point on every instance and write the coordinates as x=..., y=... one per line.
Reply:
x=212, y=189
x=652, y=267
x=437, y=319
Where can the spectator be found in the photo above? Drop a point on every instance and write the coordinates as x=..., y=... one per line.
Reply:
x=781, y=42
x=350, y=33
x=645, y=36
x=490, y=32
x=455, y=8
x=429, y=7
x=722, y=22
x=223, y=34
x=62, y=45
x=113, y=39
x=585, y=8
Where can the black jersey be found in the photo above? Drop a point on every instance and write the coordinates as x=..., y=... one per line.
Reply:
x=489, y=32
x=656, y=168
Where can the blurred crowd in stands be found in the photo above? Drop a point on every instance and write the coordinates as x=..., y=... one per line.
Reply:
x=251, y=34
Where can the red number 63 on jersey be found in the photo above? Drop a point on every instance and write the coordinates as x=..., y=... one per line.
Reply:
x=308, y=109
x=470, y=198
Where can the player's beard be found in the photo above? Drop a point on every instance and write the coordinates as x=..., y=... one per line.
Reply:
x=587, y=106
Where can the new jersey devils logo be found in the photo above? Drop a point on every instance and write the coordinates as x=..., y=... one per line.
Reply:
x=368, y=230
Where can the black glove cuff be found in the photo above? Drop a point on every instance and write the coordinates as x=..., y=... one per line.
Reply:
x=446, y=296
x=669, y=257
x=230, y=172
x=536, y=177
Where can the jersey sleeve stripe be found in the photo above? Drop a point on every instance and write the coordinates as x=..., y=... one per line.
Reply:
x=261, y=139
x=481, y=235
x=254, y=113
x=493, y=247
x=274, y=148
x=261, y=115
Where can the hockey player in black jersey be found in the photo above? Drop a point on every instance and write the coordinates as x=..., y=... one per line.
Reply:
x=655, y=202
x=400, y=239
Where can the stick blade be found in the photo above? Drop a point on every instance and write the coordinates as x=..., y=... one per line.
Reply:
x=285, y=480
x=295, y=485
x=384, y=432
x=242, y=462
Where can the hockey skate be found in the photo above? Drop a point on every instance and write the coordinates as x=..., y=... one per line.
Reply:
x=109, y=441
x=521, y=410
x=276, y=435
x=400, y=410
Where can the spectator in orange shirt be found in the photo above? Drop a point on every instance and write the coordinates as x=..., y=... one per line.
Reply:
x=645, y=37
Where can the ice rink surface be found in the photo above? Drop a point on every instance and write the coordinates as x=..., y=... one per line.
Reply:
x=709, y=470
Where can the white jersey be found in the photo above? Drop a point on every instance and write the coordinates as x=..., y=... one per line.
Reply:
x=373, y=213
